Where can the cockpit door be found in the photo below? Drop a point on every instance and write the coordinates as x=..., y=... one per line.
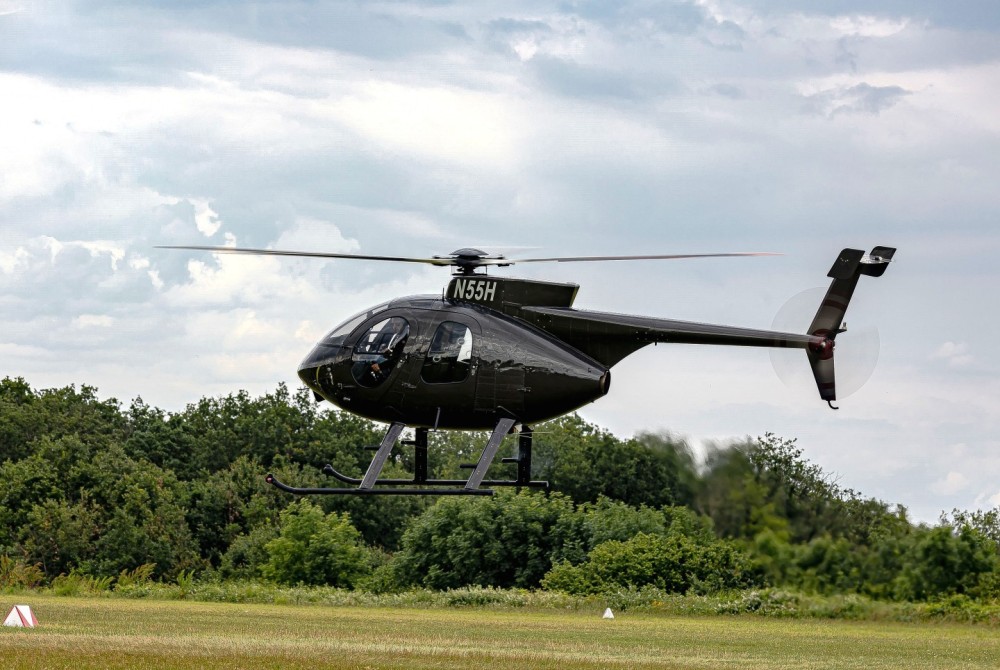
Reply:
x=379, y=356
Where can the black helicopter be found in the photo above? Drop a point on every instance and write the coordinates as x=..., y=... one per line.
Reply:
x=502, y=354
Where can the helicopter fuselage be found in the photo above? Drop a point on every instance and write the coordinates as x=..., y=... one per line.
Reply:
x=448, y=363
x=492, y=348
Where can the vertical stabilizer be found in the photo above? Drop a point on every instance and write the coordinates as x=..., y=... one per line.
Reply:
x=846, y=270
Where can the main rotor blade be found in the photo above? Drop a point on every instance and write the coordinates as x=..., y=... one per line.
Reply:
x=441, y=262
x=577, y=259
x=458, y=261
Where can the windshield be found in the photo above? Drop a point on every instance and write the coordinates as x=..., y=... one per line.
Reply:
x=378, y=351
x=338, y=334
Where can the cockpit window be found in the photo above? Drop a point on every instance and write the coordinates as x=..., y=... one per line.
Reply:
x=449, y=356
x=338, y=334
x=378, y=351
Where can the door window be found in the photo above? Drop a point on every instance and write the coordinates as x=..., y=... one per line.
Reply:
x=449, y=357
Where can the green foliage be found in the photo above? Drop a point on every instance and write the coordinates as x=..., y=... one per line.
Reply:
x=585, y=463
x=247, y=553
x=138, y=576
x=949, y=561
x=671, y=563
x=984, y=522
x=146, y=523
x=16, y=574
x=316, y=548
x=185, y=583
x=27, y=416
x=60, y=536
x=485, y=597
x=96, y=493
x=506, y=540
x=594, y=523
x=76, y=584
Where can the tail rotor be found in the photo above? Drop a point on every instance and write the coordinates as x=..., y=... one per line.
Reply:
x=828, y=322
x=857, y=349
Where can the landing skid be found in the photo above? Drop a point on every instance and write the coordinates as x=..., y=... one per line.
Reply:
x=370, y=484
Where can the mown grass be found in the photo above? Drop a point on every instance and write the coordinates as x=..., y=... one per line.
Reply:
x=83, y=633
x=769, y=602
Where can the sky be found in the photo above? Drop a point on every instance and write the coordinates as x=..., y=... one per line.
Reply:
x=535, y=128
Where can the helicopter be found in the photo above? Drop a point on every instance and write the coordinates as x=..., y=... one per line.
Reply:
x=501, y=354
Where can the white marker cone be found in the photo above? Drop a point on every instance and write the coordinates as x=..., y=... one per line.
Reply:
x=608, y=614
x=20, y=616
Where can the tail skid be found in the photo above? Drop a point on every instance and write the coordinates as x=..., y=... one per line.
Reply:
x=827, y=324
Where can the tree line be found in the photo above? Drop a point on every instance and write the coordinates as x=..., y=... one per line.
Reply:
x=96, y=488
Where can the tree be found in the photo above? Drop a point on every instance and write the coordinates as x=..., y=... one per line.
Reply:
x=585, y=462
x=59, y=536
x=507, y=540
x=316, y=548
x=592, y=524
x=946, y=560
x=27, y=416
x=145, y=521
x=673, y=563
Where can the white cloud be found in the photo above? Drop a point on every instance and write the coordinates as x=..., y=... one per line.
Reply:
x=93, y=321
x=952, y=483
x=114, y=250
x=8, y=7
x=446, y=123
x=868, y=26
x=955, y=354
x=862, y=98
x=9, y=261
x=205, y=218
x=154, y=278
x=311, y=234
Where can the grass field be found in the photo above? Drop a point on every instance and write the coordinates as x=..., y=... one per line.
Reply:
x=118, y=633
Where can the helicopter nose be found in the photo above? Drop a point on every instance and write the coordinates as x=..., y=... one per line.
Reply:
x=323, y=356
x=309, y=377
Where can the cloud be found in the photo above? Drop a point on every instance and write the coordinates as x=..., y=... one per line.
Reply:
x=523, y=37
x=10, y=260
x=950, y=484
x=972, y=16
x=437, y=123
x=865, y=25
x=860, y=98
x=93, y=321
x=955, y=354
x=205, y=218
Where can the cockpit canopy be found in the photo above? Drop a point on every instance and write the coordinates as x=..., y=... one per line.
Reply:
x=340, y=333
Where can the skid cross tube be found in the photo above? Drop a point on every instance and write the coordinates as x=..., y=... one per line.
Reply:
x=421, y=483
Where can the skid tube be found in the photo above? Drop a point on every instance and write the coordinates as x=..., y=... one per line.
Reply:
x=273, y=481
x=372, y=485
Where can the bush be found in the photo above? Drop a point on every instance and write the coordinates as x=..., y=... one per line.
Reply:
x=16, y=575
x=507, y=540
x=247, y=554
x=673, y=564
x=948, y=561
x=75, y=584
x=316, y=548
